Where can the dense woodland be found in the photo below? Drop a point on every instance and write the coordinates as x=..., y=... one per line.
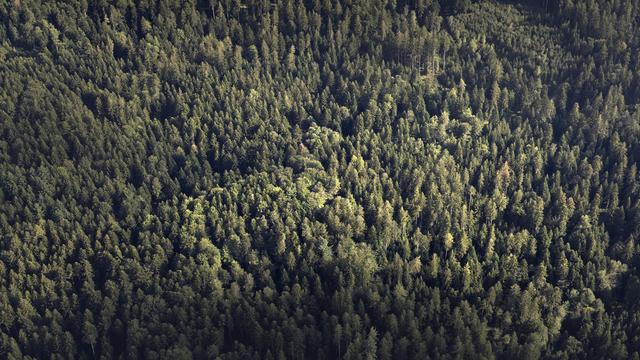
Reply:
x=321, y=179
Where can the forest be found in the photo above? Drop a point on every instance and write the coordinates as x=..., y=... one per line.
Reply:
x=319, y=179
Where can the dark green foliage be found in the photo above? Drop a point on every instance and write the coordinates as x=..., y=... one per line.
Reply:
x=408, y=179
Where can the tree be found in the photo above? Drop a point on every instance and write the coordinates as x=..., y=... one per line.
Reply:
x=447, y=242
x=90, y=333
x=371, y=347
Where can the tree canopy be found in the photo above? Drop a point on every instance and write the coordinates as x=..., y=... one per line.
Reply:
x=406, y=179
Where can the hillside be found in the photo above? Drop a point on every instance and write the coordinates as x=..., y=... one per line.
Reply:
x=407, y=179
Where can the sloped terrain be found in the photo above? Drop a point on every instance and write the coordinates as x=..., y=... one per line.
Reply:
x=319, y=180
